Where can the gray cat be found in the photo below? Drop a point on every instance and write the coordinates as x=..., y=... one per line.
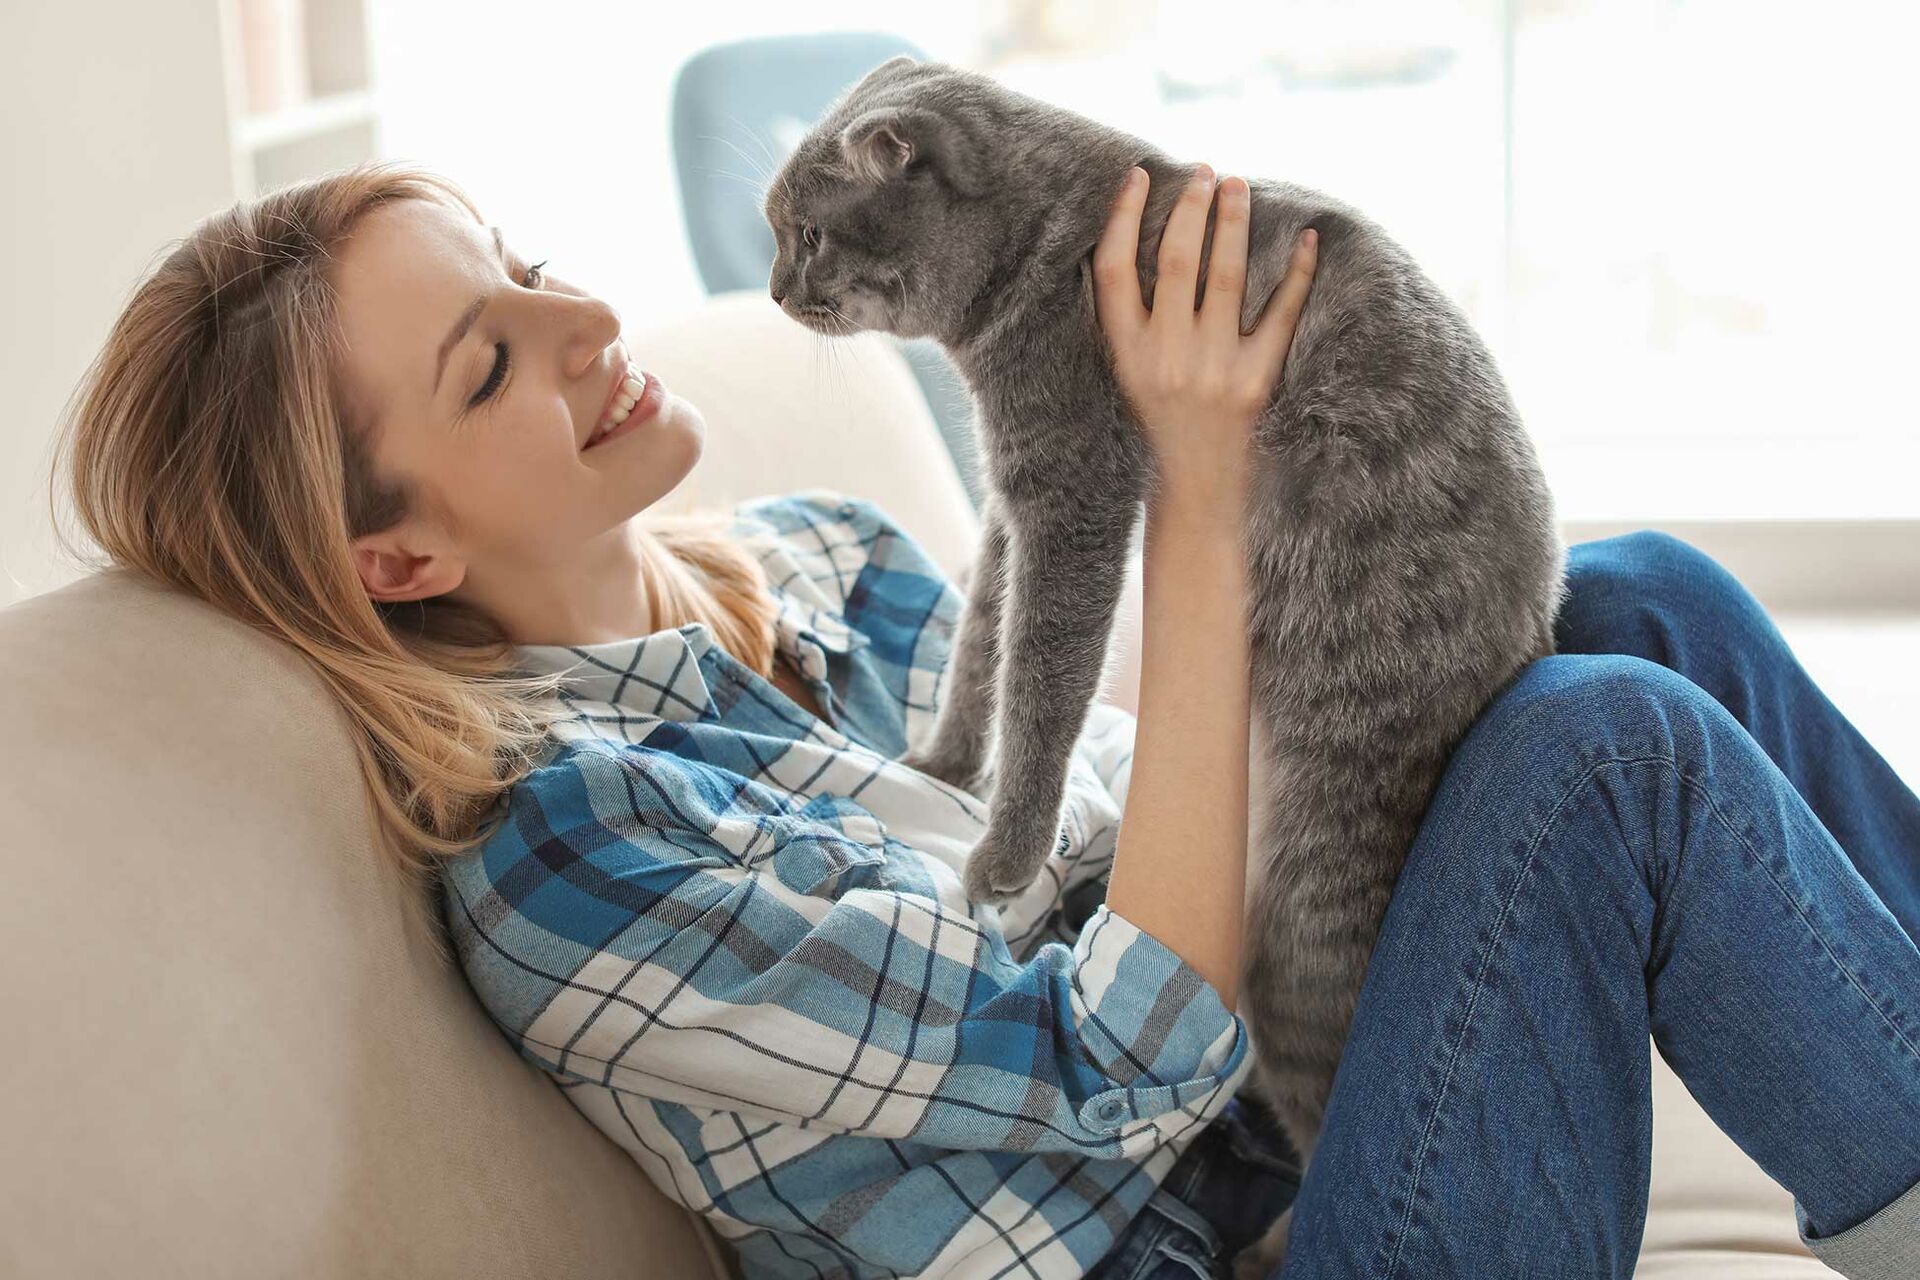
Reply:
x=1403, y=555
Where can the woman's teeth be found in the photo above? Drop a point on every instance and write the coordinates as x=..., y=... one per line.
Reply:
x=623, y=402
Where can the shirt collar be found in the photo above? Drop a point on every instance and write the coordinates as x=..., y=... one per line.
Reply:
x=662, y=674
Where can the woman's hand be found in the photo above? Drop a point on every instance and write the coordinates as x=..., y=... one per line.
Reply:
x=1195, y=383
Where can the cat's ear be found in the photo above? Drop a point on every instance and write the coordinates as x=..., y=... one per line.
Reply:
x=887, y=70
x=882, y=144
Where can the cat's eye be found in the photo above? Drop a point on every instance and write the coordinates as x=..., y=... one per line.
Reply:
x=810, y=235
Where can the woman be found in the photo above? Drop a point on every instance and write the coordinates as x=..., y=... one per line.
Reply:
x=730, y=926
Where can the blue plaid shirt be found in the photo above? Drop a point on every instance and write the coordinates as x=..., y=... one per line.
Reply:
x=734, y=934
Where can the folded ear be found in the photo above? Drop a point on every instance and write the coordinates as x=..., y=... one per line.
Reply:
x=886, y=70
x=885, y=142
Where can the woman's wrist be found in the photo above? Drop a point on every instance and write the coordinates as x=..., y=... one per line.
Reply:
x=1198, y=508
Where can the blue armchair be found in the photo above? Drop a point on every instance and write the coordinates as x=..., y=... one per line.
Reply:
x=744, y=105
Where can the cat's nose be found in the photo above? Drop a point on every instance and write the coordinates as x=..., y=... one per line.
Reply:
x=778, y=297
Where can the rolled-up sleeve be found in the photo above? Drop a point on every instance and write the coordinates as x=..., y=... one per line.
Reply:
x=819, y=979
x=1158, y=1030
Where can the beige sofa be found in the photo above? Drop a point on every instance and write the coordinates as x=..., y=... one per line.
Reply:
x=223, y=1057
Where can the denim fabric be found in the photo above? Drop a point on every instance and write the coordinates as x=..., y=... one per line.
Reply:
x=1663, y=828
x=1239, y=1175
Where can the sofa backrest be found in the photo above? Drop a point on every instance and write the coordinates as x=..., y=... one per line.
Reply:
x=226, y=1057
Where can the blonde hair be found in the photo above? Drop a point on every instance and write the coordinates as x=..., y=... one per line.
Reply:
x=209, y=448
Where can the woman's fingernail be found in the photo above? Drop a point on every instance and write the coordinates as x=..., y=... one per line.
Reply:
x=1203, y=176
x=1136, y=176
x=1312, y=238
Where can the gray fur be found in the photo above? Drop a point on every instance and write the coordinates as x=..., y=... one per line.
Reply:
x=1404, y=558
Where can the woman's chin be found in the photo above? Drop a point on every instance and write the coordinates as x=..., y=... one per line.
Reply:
x=673, y=429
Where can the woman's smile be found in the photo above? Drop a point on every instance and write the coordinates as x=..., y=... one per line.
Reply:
x=643, y=408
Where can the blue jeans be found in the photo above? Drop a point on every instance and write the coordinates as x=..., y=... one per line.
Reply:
x=1221, y=1196
x=1665, y=828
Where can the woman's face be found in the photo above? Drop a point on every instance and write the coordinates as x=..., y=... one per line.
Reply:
x=491, y=438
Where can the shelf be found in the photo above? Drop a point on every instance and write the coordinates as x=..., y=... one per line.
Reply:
x=305, y=120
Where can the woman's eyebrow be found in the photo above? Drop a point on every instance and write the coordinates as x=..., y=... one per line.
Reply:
x=465, y=322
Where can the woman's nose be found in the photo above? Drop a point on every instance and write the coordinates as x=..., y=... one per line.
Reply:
x=596, y=328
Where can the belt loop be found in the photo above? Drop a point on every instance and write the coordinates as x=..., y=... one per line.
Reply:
x=1180, y=1212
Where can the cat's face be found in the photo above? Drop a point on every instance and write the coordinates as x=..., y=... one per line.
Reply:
x=880, y=215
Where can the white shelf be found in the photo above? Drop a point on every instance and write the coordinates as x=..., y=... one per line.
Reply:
x=305, y=120
x=331, y=120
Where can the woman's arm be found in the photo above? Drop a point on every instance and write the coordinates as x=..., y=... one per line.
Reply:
x=1179, y=871
x=1198, y=386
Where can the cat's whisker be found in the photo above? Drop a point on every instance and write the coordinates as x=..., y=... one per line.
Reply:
x=759, y=188
x=759, y=184
x=773, y=161
x=766, y=175
x=837, y=374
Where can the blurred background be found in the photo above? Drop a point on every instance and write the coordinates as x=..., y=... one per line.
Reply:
x=1682, y=226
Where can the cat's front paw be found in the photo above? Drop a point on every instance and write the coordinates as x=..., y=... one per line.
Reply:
x=999, y=870
x=1264, y=1256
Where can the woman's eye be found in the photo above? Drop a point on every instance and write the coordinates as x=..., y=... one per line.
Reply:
x=503, y=358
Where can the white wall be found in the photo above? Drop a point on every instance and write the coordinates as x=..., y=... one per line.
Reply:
x=112, y=143
x=555, y=119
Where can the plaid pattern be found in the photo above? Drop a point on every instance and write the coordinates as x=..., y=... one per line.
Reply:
x=735, y=935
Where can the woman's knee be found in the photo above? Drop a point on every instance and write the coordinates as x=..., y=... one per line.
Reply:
x=1553, y=734
x=1580, y=709
x=1640, y=592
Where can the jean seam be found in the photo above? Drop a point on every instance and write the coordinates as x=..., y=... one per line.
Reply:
x=1761, y=862
x=1473, y=998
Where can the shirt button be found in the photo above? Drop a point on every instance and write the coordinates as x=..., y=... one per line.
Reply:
x=1112, y=1109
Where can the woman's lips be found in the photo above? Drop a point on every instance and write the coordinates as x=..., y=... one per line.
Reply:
x=644, y=409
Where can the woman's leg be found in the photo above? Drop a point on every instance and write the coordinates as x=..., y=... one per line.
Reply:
x=1656, y=597
x=1610, y=854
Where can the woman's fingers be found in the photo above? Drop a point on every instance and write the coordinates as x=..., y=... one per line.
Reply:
x=1178, y=270
x=1273, y=335
x=1227, y=262
x=1116, y=273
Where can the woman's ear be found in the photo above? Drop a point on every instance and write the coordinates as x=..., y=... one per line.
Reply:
x=392, y=569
